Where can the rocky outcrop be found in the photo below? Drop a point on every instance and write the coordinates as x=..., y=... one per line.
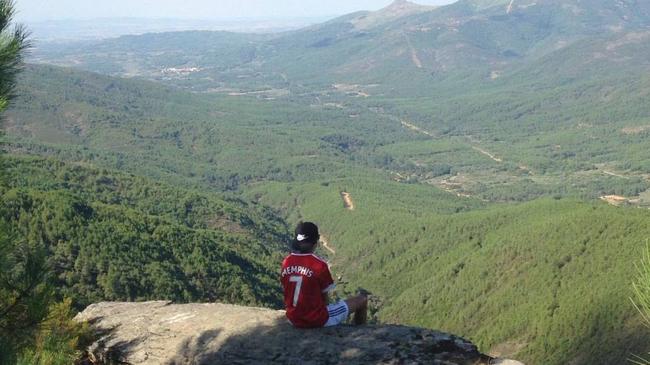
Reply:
x=164, y=333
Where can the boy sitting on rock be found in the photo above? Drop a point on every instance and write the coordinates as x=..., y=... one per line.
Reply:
x=307, y=282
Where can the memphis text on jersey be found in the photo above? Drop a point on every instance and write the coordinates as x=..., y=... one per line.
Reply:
x=289, y=270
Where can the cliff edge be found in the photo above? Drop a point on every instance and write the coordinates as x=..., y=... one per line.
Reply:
x=164, y=333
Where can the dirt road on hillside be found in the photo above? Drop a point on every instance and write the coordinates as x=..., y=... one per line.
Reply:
x=475, y=148
x=615, y=174
x=326, y=245
x=416, y=128
x=488, y=154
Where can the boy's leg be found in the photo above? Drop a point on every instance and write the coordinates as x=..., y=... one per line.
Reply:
x=359, y=306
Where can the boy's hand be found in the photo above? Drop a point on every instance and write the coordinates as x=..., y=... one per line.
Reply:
x=364, y=292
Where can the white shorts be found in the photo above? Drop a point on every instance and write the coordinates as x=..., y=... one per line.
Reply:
x=338, y=313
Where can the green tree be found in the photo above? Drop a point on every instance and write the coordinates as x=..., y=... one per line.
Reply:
x=58, y=339
x=24, y=295
x=642, y=301
x=13, y=42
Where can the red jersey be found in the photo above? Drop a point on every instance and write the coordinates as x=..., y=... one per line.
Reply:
x=305, y=277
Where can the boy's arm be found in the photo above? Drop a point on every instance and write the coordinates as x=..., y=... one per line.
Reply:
x=327, y=284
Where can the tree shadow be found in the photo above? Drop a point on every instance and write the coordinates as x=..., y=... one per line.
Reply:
x=105, y=350
x=192, y=348
x=612, y=339
x=281, y=343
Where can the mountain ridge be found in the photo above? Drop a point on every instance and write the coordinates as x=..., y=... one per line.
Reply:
x=403, y=41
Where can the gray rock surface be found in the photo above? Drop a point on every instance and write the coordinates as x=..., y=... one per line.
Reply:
x=164, y=333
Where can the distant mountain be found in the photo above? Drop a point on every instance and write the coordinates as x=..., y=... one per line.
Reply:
x=96, y=29
x=401, y=41
x=468, y=35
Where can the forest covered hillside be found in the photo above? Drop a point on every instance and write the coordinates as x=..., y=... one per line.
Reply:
x=412, y=244
x=111, y=236
x=486, y=144
x=516, y=279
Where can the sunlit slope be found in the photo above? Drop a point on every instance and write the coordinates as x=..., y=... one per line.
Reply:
x=486, y=143
x=552, y=277
x=546, y=281
x=570, y=122
x=459, y=37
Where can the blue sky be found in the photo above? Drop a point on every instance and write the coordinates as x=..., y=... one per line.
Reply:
x=36, y=10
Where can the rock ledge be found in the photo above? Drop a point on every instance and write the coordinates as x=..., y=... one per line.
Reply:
x=164, y=333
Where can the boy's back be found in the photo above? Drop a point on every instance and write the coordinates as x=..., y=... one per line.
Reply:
x=306, y=280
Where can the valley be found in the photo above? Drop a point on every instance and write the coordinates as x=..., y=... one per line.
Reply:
x=507, y=209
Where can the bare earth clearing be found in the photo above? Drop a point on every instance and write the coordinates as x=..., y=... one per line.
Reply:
x=614, y=199
x=635, y=130
x=347, y=201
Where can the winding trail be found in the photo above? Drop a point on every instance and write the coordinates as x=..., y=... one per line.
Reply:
x=488, y=154
x=615, y=174
x=475, y=148
x=326, y=244
x=347, y=200
x=416, y=128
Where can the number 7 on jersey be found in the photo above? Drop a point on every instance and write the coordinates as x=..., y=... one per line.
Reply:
x=296, y=293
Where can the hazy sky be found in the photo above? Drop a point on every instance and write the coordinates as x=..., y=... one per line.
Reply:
x=35, y=10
